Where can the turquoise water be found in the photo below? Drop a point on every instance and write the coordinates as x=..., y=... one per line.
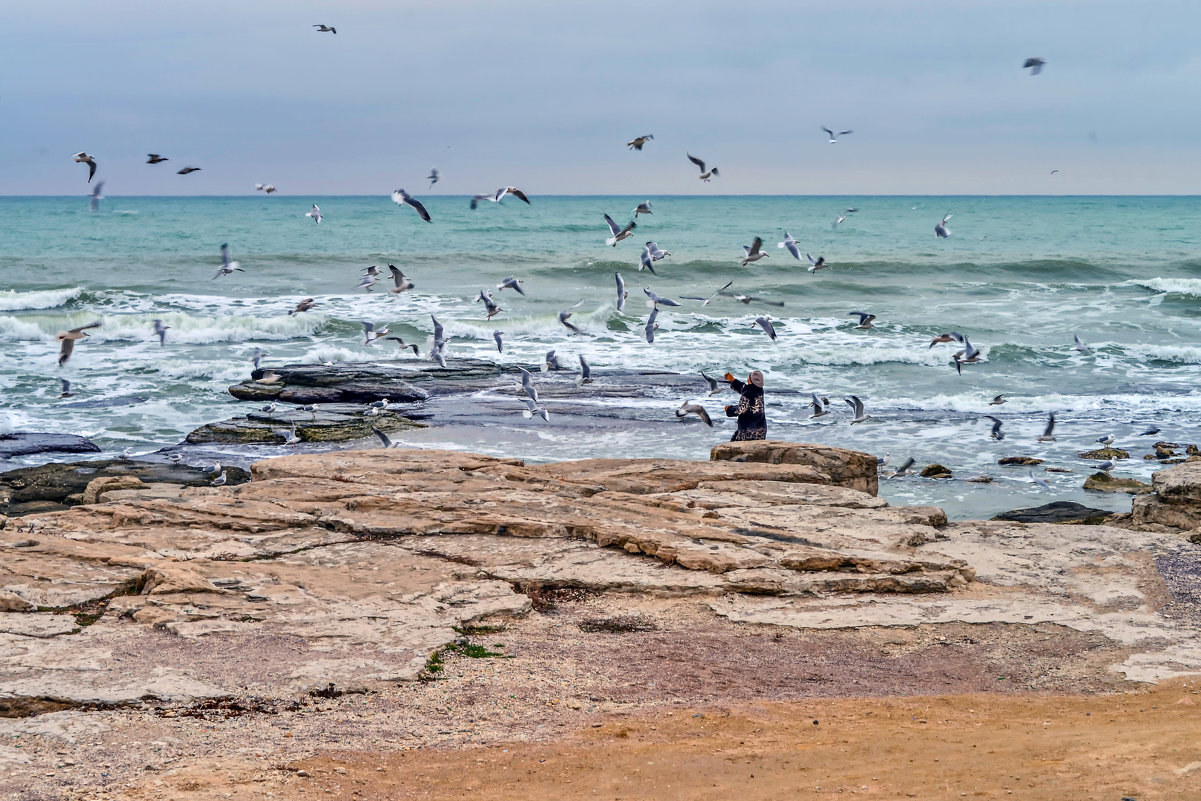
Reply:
x=1019, y=275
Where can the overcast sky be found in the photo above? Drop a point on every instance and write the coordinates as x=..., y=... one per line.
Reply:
x=543, y=94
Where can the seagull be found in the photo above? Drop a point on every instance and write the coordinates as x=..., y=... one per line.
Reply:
x=389, y=443
x=303, y=306
x=903, y=469
x=647, y=259
x=270, y=407
x=65, y=391
x=67, y=340
x=882, y=461
x=658, y=299
x=642, y=208
x=1048, y=432
x=816, y=264
x=714, y=386
x=512, y=283
x=497, y=338
x=820, y=406
x=1106, y=440
x=269, y=377
x=475, y=199
x=618, y=232
x=765, y=324
x=690, y=407
x=997, y=401
x=510, y=190
x=490, y=306
x=997, y=433
x=404, y=344
x=372, y=270
x=841, y=218
x=311, y=408
x=439, y=333
x=175, y=459
x=325, y=29
x=1106, y=466
x=155, y=158
x=705, y=301
x=585, y=371
x=947, y=336
x=126, y=453
x=1035, y=65
x=268, y=188
x=527, y=384
x=84, y=158
x=257, y=357
x=438, y=354
x=622, y=294
x=941, y=230
x=638, y=141
x=532, y=408
x=367, y=281
x=790, y=243
x=432, y=177
x=95, y=198
x=705, y=176
x=381, y=404
x=219, y=481
x=315, y=213
x=969, y=355
x=833, y=136
x=187, y=170
x=1151, y=431
x=1080, y=346
x=371, y=333
x=289, y=439
x=551, y=362
x=865, y=319
x=160, y=331
x=651, y=325
x=403, y=198
x=1053, y=172
x=227, y=266
x=754, y=251
x=748, y=299
x=857, y=408
x=566, y=314
x=1042, y=482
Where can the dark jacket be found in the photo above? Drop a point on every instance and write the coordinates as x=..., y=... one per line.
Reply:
x=752, y=418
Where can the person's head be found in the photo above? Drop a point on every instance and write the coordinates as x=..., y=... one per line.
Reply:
x=755, y=378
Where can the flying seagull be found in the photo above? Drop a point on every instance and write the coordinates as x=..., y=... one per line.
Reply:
x=585, y=371
x=969, y=355
x=834, y=136
x=403, y=198
x=187, y=170
x=160, y=331
x=65, y=391
x=257, y=357
x=402, y=283
x=705, y=301
x=95, y=198
x=404, y=344
x=497, y=337
x=325, y=29
x=384, y=438
x=754, y=251
x=865, y=319
x=490, y=305
x=691, y=407
x=651, y=254
x=618, y=232
x=268, y=188
x=565, y=315
x=765, y=324
x=651, y=325
x=638, y=141
x=903, y=469
x=622, y=294
x=714, y=386
x=551, y=361
x=1151, y=431
x=816, y=264
x=315, y=213
x=371, y=333
x=748, y=299
x=997, y=401
x=705, y=175
x=84, y=158
x=948, y=336
x=997, y=433
x=513, y=283
x=790, y=244
x=1049, y=432
x=155, y=158
x=532, y=408
x=432, y=177
x=227, y=266
x=1035, y=65
x=368, y=281
x=857, y=407
x=511, y=190
x=1042, y=482
x=642, y=208
x=527, y=384
x=658, y=299
x=820, y=406
x=941, y=231
x=67, y=340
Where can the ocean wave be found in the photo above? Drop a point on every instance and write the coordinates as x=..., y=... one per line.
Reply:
x=1174, y=286
x=12, y=300
x=184, y=329
x=13, y=329
x=1173, y=354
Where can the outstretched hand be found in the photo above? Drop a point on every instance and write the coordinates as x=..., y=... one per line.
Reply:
x=729, y=376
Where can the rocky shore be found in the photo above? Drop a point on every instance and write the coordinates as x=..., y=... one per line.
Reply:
x=145, y=619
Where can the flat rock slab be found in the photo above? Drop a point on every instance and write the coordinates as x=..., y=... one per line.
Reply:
x=25, y=443
x=1055, y=512
x=331, y=422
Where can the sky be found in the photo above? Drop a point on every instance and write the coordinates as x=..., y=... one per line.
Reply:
x=544, y=94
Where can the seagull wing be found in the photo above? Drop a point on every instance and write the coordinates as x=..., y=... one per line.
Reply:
x=621, y=292
x=384, y=438
x=756, y=246
x=409, y=200
x=696, y=161
x=585, y=370
x=614, y=228
x=517, y=193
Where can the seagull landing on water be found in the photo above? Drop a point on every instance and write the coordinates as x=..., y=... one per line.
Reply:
x=315, y=213
x=691, y=407
x=638, y=141
x=403, y=198
x=65, y=389
x=84, y=158
x=1035, y=65
x=160, y=331
x=997, y=433
x=155, y=158
x=834, y=136
x=941, y=231
x=1079, y=345
x=816, y=264
x=618, y=232
x=642, y=208
x=705, y=174
x=565, y=315
x=227, y=267
x=513, y=283
x=790, y=244
x=1048, y=434
x=326, y=29
x=754, y=251
x=865, y=319
x=856, y=405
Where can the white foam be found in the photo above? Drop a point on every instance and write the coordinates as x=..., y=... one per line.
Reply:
x=13, y=329
x=12, y=300
x=186, y=329
x=1178, y=286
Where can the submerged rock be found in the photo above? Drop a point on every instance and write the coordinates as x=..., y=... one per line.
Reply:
x=21, y=443
x=936, y=471
x=1056, y=512
x=1022, y=460
x=1105, y=453
x=339, y=422
x=1104, y=482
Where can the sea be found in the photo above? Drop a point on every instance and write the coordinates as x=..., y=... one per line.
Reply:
x=1020, y=276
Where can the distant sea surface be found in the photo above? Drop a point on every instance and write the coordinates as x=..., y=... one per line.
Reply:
x=1019, y=275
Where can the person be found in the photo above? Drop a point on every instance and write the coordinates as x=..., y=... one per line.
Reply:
x=752, y=417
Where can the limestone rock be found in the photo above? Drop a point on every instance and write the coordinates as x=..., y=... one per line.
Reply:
x=846, y=468
x=1179, y=484
x=1104, y=482
x=97, y=487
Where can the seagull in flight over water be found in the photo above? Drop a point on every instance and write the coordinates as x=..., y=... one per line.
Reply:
x=833, y=136
x=754, y=251
x=790, y=244
x=403, y=198
x=227, y=266
x=705, y=174
x=326, y=29
x=84, y=158
x=618, y=232
x=638, y=141
x=315, y=213
x=1035, y=65
x=941, y=231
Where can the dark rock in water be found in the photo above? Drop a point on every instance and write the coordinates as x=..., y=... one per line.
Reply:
x=1022, y=460
x=342, y=383
x=1056, y=512
x=58, y=485
x=936, y=471
x=24, y=443
x=340, y=422
x=1104, y=482
x=1105, y=453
